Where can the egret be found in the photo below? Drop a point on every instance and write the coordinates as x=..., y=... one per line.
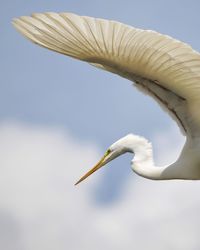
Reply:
x=164, y=68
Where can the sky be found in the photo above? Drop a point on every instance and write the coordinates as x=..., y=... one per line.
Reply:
x=57, y=118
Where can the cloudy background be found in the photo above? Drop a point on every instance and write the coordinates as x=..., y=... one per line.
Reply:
x=58, y=116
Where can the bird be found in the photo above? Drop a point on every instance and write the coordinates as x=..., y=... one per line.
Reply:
x=158, y=65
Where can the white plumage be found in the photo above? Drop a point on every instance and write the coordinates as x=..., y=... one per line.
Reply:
x=165, y=68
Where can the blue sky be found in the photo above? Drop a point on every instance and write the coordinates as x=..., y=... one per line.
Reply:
x=40, y=88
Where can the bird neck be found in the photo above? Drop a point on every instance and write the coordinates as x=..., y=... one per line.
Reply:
x=143, y=163
x=150, y=171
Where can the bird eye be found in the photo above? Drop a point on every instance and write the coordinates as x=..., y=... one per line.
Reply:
x=108, y=151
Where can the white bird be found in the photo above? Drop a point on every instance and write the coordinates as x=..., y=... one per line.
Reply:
x=165, y=68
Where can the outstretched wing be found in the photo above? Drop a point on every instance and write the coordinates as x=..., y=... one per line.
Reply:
x=161, y=66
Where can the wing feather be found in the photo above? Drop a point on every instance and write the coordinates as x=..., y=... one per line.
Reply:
x=136, y=54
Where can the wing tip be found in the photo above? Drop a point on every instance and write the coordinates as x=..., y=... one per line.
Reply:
x=14, y=21
x=16, y=24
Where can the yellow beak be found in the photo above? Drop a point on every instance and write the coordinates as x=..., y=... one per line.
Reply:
x=95, y=168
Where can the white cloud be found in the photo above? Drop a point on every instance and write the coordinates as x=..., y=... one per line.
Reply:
x=41, y=209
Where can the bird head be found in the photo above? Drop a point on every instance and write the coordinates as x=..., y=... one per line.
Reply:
x=118, y=148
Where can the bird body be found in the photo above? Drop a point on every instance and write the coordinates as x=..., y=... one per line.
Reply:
x=160, y=66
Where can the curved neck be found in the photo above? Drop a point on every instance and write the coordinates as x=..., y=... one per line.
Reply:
x=143, y=164
x=152, y=172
